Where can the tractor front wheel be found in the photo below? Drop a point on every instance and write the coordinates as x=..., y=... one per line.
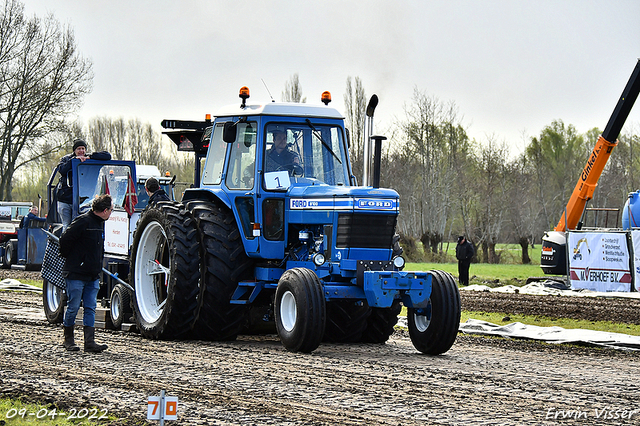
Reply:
x=433, y=329
x=300, y=310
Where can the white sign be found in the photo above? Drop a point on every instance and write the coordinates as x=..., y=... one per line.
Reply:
x=599, y=261
x=277, y=180
x=157, y=411
x=635, y=238
x=116, y=233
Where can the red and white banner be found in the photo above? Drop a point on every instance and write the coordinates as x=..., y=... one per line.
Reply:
x=599, y=261
x=131, y=198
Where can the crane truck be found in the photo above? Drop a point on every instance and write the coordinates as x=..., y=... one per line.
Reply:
x=554, y=260
x=294, y=243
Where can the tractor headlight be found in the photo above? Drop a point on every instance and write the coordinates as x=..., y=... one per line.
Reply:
x=318, y=259
x=398, y=262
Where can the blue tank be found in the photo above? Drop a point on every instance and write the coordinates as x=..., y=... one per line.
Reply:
x=631, y=210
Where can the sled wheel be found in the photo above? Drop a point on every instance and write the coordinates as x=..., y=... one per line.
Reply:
x=54, y=300
x=346, y=321
x=224, y=264
x=381, y=323
x=434, y=329
x=11, y=253
x=120, y=305
x=165, y=272
x=300, y=310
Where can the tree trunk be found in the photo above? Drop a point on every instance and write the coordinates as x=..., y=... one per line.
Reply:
x=435, y=240
x=493, y=257
x=524, y=243
x=424, y=239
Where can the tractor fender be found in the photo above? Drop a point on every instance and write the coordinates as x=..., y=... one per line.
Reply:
x=206, y=194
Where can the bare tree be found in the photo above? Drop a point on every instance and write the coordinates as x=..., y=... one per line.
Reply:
x=293, y=90
x=491, y=194
x=355, y=103
x=43, y=80
x=434, y=148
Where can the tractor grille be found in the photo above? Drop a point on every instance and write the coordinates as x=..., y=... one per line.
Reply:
x=365, y=230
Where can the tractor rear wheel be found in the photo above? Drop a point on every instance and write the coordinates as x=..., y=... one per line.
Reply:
x=54, y=300
x=300, y=310
x=224, y=264
x=434, y=329
x=381, y=323
x=346, y=321
x=165, y=272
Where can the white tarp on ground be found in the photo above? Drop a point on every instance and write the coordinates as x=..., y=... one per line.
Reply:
x=553, y=334
x=550, y=288
x=11, y=284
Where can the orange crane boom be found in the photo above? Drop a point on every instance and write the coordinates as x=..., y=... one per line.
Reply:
x=590, y=175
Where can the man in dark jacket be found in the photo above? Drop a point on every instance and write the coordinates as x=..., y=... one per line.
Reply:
x=82, y=246
x=464, y=253
x=154, y=191
x=65, y=189
x=280, y=157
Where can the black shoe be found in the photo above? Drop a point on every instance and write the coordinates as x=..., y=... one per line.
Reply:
x=89, y=341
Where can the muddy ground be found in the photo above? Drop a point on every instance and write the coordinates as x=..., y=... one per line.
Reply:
x=255, y=381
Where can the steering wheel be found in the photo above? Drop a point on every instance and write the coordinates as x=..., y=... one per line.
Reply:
x=293, y=169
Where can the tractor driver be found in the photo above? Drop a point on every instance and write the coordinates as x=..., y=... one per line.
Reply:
x=280, y=157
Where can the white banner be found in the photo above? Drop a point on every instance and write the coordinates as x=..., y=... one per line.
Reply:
x=116, y=233
x=635, y=238
x=599, y=261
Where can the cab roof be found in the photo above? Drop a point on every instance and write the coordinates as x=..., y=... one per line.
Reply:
x=281, y=109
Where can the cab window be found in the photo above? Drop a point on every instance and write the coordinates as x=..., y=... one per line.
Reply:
x=212, y=174
x=242, y=158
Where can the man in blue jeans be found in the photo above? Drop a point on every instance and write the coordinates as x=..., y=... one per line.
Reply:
x=82, y=246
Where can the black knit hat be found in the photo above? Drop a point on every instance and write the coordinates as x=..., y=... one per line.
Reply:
x=77, y=143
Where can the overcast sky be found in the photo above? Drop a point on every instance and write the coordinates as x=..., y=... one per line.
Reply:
x=511, y=67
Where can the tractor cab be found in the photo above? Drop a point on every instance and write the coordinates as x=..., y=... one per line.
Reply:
x=284, y=171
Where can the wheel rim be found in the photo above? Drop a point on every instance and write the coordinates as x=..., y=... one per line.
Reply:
x=115, y=305
x=54, y=296
x=423, y=320
x=288, y=311
x=152, y=272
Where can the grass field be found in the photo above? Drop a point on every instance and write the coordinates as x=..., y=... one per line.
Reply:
x=484, y=273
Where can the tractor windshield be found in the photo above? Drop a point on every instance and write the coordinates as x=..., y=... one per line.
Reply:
x=313, y=153
x=102, y=179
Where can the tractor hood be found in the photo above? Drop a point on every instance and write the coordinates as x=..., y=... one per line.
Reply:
x=328, y=197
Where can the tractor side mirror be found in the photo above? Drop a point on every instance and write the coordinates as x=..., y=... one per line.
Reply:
x=229, y=132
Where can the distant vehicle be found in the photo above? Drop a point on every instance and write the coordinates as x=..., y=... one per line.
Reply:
x=11, y=213
x=553, y=259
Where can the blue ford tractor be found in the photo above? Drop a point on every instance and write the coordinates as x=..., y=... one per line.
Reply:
x=277, y=231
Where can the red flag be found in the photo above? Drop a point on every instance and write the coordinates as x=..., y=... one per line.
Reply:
x=131, y=198
x=105, y=189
